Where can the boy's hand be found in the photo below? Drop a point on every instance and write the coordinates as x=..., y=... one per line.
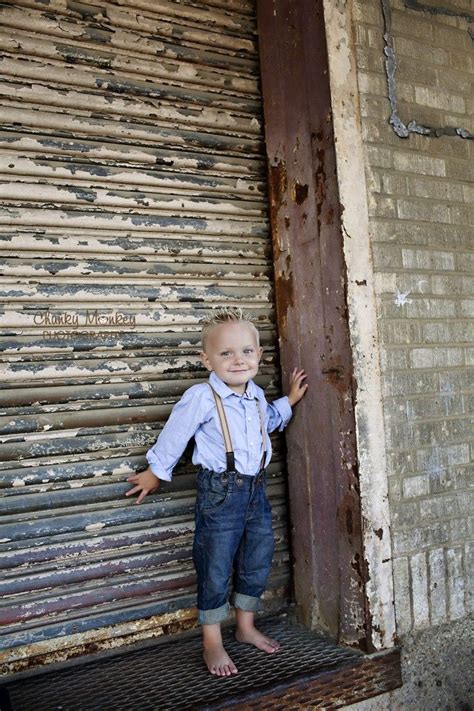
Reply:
x=297, y=386
x=146, y=483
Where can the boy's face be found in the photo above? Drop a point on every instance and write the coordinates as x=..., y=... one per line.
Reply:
x=233, y=353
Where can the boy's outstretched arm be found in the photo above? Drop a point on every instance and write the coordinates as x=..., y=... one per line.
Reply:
x=297, y=386
x=145, y=483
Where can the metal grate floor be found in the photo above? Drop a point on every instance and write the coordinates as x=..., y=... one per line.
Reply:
x=172, y=676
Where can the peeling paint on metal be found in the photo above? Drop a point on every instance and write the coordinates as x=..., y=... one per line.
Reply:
x=133, y=203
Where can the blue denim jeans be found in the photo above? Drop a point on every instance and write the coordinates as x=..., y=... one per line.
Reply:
x=233, y=542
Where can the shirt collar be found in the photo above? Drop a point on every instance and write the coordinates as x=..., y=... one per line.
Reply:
x=224, y=391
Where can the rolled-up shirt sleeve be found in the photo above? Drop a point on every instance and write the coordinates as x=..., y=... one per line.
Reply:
x=184, y=420
x=279, y=413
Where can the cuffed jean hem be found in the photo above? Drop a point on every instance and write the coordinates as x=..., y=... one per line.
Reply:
x=211, y=617
x=246, y=602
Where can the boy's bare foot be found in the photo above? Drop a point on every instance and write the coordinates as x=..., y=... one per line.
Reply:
x=259, y=640
x=247, y=633
x=217, y=660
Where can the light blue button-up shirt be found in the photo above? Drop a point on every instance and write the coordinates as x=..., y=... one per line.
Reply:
x=196, y=415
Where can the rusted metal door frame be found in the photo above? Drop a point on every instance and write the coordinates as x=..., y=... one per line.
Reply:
x=310, y=276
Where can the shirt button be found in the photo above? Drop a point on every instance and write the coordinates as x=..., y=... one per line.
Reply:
x=249, y=419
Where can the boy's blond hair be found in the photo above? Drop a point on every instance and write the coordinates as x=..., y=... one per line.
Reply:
x=226, y=314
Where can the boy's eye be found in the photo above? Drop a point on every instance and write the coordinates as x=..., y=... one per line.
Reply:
x=248, y=350
x=225, y=353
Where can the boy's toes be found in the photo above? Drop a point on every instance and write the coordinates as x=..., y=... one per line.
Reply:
x=259, y=640
x=270, y=646
x=218, y=662
x=273, y=643
x=226, y=670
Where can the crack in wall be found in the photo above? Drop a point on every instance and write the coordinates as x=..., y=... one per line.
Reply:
x=401, y=129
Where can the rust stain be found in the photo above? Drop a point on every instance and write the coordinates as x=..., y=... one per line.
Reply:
x=284, y=297
x=335, y=376
x=371, y=676
x=299, y=192
x=278, y=183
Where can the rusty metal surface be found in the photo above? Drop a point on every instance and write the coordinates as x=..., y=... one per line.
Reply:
x=309, y=672
x=133, y=200
x=312, y=318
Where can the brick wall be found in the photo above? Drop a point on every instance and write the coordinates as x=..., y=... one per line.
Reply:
x=420, y=206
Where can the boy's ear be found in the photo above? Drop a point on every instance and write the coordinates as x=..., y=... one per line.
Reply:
x=260, y=353
x=205, y=360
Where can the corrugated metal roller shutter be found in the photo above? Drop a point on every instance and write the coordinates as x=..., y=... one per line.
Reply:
x=133, y=201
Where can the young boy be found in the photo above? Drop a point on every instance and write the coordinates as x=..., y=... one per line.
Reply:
x=230, y=421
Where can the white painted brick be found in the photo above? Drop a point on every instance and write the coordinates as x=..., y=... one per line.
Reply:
x=406, y=513
x=467, y=307
x=457, y=454
x=465, y=260
x=462, y=530
x=460, y=215
x=423, y=285
x=451, y=285
x=385, y=283
x=423, y=211
x=411, y=540
x=371, y=83
x=469, y=566
x=411, y=25
x=450, y=37
x=455, y=583
x=441, y=506
x=393, y=360
x=400, y=333
x=430, y=308
x=437, y=575
x=427, y=259
x=393, y=183
x=439, y=99
x=409, y=383
x=420, y=52
x=438, y=457
x=437, y=406
x=415, y=163
x=419, y=583
x=381, y=205
x=436, y=189
x=469, y=356
x=379, y=156
x=434, y=357
x=448, y=332
x=401, y=581
x=468, y=191
x=416, y=486
x=394, y=489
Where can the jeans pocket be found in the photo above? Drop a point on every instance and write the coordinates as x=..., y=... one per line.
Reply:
x=213, y=492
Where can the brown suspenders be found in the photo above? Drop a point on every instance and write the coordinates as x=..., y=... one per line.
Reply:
x=229, y=452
